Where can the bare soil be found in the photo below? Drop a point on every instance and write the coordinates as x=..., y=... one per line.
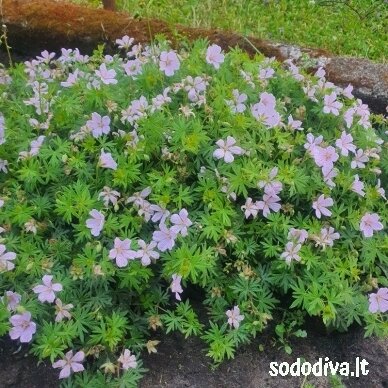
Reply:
x=183, y=363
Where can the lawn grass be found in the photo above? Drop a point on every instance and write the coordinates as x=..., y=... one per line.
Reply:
x=360, y=29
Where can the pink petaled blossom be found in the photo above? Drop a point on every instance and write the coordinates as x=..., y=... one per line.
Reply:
x=250, y=208
x=236, y=105
x=347, y=92
x=214, y=56
x=270, y=186
x=298, y=235
x=328, y=173
x=12, y=299
x=370, y=223
x=45, y=56
x=107, y=76
x=227, y=149
x=310, y=91
x=269, y=202
x=326, y=238
x=160, y=100
x=176, y=286
x=159, y=214
x=48, y=289
x=138, y=197
x=358, y=186
x=294, y=124
x=331, y=105
x=62, y=310
x=312, y=142
x=165, y=238
x=264, y=111
x=35, y=145
x=4, y=165
x=6, y=259
x=70, y=364
x=125, y=42
x=99, y=125
x=145, y=210
x=234, y=317
x=348, y=116
x=378, y=302
x=344, y=143
x=127, y=360
x=266, y=73
x=133, y=67
x=71, y=79
x=321, y=204
x=291, y=252
x=320, y=73
x=380, y=190
x=325, y=156
x=109, y=195
x=169, y=63
x=23, y=328
x=136, y=110
x=122, y=252
x=359, y=159
x=96, y=223
x=106, y=160
x=181, y=222
x=147, y=252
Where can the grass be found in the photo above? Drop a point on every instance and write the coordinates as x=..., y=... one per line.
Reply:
x=359, y=28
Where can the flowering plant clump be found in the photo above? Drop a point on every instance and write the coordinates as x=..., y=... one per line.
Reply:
x=127, y=181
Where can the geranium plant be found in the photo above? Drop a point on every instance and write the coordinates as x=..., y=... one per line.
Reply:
x=128, y=181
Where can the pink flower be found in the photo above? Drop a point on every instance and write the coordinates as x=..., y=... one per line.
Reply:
x=298, y=235
x=370, y=223
x=344, y=143
x=347, y=92
x=98, y=125
x=328, y=173
x=165, y=238
x=380, y=190
x=127, y=360
x=326, y=238
x=359, y=159
x=23, y=328
x=70, y=363
x=107, y=76
x=125, y=42
x=122, y=252
x=271, y=186
x=227, y=150
x=169, y=62
x=159, y=214
x=214, y=56
x=6, y=259
x=250, y=208
x=109, y=195
x=133, y=67
x=181, y=222
x=266, y=73
x=47, y=290
x=312, y=142
x=378, y=302
x=269, y=202
x=106, y=160
x=234, y=317
x=331, y=105
x=71, y=79
x=325, y=157
x=138, y=197
x=62, y=310
x=237, y=103
x=294, y=124
x=12, y=299
x=146, y=253
x=358, y=186
x=176, y=286
x=264, y=111
x=321, y=204
x=96, y=223
x=291, y=252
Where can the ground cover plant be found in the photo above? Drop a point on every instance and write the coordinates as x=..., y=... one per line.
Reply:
x=130, y=182
x=351, y=27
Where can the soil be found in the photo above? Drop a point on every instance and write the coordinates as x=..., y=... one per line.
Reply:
x=183, y=363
